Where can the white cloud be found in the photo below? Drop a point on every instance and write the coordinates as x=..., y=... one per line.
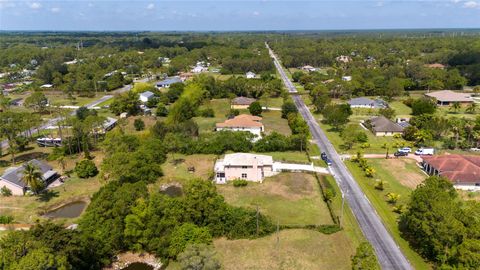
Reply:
x=55, y=10
x=471, y=4
x=35, y=5
x=151, y=6
x=256, y=13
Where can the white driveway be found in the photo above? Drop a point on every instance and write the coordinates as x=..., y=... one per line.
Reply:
x=292, y=167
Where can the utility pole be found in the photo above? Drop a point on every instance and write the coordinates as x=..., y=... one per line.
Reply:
x=257, y=220
x=341, y=213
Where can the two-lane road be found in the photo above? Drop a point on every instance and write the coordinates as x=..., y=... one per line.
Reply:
x=388, y=253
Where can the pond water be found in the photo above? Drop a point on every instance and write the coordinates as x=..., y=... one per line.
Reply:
x=138, y=266
x=173, y=191
x=71, y=210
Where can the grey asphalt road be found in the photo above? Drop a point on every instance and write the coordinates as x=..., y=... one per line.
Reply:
x=388, y=253
x=53, y=121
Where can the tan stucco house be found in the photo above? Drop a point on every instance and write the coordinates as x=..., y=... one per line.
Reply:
x=382, y=126
x=243, y=122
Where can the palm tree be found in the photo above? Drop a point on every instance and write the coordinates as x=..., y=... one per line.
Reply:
x=472, y=108
x=32, y=177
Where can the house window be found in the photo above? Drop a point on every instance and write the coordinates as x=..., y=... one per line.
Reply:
x=244, y=167
x=220, y=175
x=244, y=176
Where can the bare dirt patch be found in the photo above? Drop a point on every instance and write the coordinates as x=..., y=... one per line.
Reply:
x=405, y=171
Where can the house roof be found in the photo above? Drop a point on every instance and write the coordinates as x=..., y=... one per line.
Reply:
x=169, y=81
x=450, y=96
x=246, y=159
x=243, y=120
x=147, y=94
x=14, y=175
x=251, y=73
x=363, y=101
x=243, y=101
x=383, y=124
x=461, y=169
x=435, y=65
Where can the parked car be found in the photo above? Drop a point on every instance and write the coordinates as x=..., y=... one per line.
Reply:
x=405, y=150
x=400, y=154
x=475, y=149
x=328, y=161
x=425, y=151
x=323, y=155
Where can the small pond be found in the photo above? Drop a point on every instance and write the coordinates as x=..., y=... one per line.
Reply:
x=71, y=210
x=173, y=191
x=138, y=266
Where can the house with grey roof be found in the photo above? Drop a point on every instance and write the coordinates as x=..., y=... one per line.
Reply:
x=12, y=178
x=146, y=96
x=242, y=102
x=382, y=126
x=363, y=102
x=168, y=81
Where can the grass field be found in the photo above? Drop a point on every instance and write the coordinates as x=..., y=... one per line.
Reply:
x=296, y=249
x=394, y=179
x=221, y=107
x=178, y=171
x=289, y=198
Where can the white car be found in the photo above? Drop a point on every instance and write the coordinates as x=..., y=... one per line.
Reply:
x=425, y=151
x=405, y=150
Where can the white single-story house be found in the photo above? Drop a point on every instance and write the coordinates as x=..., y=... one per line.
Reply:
x=12, y=178
x=447, y=97
x=199, y=69
x=146, y=96
x=168, y=81
x=363, y=102
x=47, y=85
x=346, y=78
x=250, y=75
x=309, y=68
x=243, y=122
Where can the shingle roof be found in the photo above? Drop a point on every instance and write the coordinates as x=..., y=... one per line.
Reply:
x=243, y=120
x=147, y=94
x=243, y=101
x=363, y=101
x=383, y=124
x=459, y=169
x=450, y=96
x=14, y=175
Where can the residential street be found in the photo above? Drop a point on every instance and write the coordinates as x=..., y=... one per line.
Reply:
x=388, y=253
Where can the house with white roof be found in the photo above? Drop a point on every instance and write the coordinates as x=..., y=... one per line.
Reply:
x=168, y=81
x=363, y=102
x=146, y=96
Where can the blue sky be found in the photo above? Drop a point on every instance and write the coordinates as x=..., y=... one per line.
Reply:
x=227, y=15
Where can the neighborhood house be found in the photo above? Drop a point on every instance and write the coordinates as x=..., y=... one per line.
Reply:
x=382, y=126
x=447, y=97
x=363, y=102
x=462, y=170
x=250, y=75
x=168, y=81
x=246, y=166
x=243, y=122
x=146, y=96
x=12, y=178
x=242, y=102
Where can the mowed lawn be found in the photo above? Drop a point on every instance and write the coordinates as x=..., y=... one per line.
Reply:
x=296, y=249
x=395, y=173
x=287, y=198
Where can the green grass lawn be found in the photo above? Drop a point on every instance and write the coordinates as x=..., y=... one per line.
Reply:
x=401, y=109
x=273, y=121
x=383, y=208
x=221, y=107
x=61, y=99
x=289, y=198
x=271, y=102
x=288, y=156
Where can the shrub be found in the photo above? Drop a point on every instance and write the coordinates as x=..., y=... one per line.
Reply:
x=139, y=124
x=86, y=168
x=255, y=108
x=6, y=192
x=4, y=219
x=240, y=183
x=162, y=110
x=329, y=229
x=392, y=198
x=207, y=112
x=232, y=113
x=399, y=209
x=380, y=185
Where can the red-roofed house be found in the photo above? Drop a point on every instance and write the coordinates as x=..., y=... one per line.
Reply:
x=243, y=122
x=463, y=171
